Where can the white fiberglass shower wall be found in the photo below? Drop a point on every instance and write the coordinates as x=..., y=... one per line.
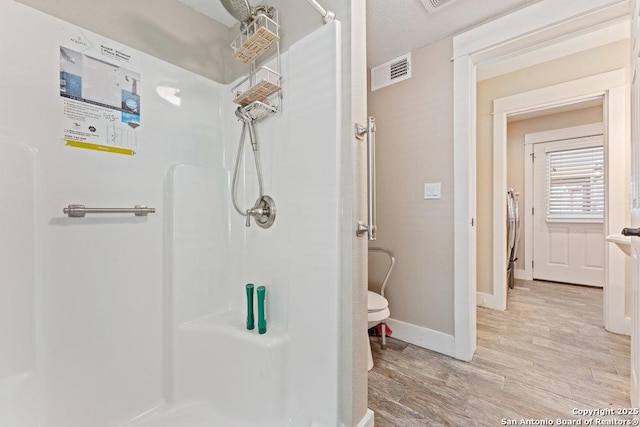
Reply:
x=113, y=320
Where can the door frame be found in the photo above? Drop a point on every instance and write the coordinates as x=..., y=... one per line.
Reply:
x=536, y=25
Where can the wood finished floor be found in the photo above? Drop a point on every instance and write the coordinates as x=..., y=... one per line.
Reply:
x=543, y=357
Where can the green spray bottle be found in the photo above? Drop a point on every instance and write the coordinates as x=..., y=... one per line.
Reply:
x=250, y=321
x=262, y=321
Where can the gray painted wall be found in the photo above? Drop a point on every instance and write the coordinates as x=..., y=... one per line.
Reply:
x=414, y=146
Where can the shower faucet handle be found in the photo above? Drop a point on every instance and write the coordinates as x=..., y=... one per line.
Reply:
x=254, y=211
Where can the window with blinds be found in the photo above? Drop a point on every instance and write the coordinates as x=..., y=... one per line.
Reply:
x=575, y=184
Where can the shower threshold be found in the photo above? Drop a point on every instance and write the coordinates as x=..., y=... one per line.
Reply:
x=199, y=414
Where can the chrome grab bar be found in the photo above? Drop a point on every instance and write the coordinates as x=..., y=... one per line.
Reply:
x=79, y=211
x=370, y=130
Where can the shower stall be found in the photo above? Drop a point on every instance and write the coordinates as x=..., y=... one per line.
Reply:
x=136, y=316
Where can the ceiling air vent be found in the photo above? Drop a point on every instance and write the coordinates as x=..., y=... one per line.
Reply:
x=391, y=72
x=435, y=5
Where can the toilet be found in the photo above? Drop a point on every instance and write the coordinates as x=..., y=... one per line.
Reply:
x=378, y=312
x=378, y=306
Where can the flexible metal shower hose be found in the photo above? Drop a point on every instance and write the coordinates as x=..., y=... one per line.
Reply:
x=256, y=157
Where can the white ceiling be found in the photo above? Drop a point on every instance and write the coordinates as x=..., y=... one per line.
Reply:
x=395, y=27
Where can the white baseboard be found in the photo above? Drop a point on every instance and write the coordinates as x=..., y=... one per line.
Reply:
x=367, y=420
x=423, y=337
x=523, y=274
x=489, y=301
x=623, y=327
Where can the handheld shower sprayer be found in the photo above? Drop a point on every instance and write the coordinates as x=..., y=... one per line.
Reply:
x=248, y=121
x=242, y=116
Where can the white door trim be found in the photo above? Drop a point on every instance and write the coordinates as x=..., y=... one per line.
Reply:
x=464, y=251
x=531, y=26
x=503, y=34
x=529, y=140
x=618, y=136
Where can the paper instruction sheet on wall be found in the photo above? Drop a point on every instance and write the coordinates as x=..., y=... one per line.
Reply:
x=99, y=93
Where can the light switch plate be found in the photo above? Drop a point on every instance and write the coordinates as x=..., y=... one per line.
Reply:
x=432, y=190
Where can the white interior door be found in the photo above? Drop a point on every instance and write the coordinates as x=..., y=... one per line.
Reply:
x=568, y=220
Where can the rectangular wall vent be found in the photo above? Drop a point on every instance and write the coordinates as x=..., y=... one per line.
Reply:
x=435, y=5
x=391, y=72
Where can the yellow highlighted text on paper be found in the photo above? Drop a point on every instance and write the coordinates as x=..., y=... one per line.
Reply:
x=98, y=147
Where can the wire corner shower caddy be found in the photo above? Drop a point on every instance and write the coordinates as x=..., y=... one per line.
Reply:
x=260, y=93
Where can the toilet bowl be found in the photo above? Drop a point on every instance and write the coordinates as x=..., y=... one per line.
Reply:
x=378, y=309
x=378, y=306
x=378, y=312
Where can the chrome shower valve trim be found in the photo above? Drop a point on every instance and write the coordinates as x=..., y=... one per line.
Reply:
x=263, y=212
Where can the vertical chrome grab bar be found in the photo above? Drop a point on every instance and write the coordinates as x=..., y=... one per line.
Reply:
x=370, y=130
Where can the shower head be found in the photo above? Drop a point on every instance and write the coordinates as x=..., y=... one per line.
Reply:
x=239, y=9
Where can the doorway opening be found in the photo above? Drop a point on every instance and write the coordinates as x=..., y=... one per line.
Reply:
x=556, y=161
x=543, y=25
x=609, y=87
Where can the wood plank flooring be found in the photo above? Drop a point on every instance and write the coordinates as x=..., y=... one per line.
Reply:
x=542, y=358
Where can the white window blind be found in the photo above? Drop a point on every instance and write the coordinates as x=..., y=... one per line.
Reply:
x=575, y=184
